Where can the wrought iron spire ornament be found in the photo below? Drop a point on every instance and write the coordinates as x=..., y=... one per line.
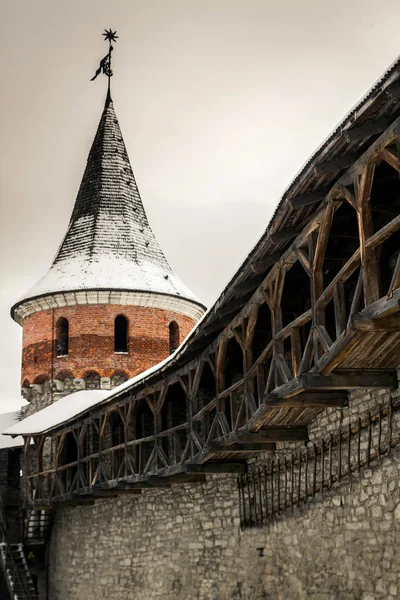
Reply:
x=105, y=63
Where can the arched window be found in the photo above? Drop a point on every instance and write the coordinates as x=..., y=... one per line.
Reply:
x=92, y=380
x=62, y=336
x=118, y=377
x=173, y=336
x=121, y=334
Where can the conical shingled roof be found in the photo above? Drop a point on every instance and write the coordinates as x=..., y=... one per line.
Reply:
x=109, y=244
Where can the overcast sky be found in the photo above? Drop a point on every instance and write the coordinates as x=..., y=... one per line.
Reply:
x=220, y=103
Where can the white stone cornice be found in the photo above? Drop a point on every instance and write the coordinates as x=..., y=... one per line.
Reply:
x=147, y=299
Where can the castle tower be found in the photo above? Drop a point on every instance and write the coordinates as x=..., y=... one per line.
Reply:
x=110, y=306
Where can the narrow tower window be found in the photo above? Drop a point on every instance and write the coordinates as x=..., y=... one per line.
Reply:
x=62, y=337
x=121, y=334
x=173, y=336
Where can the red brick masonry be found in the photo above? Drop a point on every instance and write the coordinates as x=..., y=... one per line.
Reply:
x=91, y=341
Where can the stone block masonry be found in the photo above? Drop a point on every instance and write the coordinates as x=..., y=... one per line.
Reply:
x=185, y=543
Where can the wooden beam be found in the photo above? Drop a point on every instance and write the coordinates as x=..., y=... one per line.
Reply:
x=214, y=447
x=306, y=199
x=156, y=480
x=339, y=300
x=337, y=164
x=273, y=434
x=216, y=467
x=351, y=379
x=394, y=91
x=358, y=134
x=384, y=233
x=345, y=192
x=283, y=236
x=230, y=308
x=362, y=323
x=139, y=485
x=248, y=286
x=219, y=323
x=264, y=263
x=308, y=399
x=391, y=159
x=40, y=504
x=97, y=494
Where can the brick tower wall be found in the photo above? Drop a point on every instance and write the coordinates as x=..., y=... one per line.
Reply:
x=91, y=342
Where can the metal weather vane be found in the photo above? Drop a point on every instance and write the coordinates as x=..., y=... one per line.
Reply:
x=105, y=63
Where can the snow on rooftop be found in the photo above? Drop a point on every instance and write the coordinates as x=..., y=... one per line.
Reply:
x=8, y=420
x=109, y=273
x=56, y=413
x=109, y=244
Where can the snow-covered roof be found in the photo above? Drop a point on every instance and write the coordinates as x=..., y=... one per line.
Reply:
x=8, y=420
x=60, y=411
x=109, y=244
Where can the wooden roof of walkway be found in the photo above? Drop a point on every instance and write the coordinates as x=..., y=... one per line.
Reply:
x=306, y=319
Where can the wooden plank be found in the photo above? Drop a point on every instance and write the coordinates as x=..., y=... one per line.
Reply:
x=156, y=480
x=215, y=447
x=220, y=323
x=337, y=164
x=384, y=306
x=363, y=323
x=229, y=308
x=110, y=493
x=283, y=236
x=358, y=134
x=306, y=199
x=248, y=286
x=308, y=400
x=216, y=467
x=265, y=263
x=351, y=379
x=273, y=434
x=139, y=485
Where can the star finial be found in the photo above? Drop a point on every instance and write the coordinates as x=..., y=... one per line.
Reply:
x=110, y=35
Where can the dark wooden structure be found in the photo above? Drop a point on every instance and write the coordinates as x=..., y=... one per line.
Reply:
x=312, y=314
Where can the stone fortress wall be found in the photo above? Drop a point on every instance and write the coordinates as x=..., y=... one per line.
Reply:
x=185, y=542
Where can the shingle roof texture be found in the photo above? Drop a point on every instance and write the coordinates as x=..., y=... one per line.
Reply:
x=109, y=244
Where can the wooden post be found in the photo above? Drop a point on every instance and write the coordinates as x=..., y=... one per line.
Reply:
x=369, y=257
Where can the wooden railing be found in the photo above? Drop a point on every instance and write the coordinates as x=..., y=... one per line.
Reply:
x=263, y=378
x=293, y=480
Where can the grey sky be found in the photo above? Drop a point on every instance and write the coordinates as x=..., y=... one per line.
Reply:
x=220, y=102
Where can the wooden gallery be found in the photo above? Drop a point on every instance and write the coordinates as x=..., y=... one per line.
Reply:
x=250, y=451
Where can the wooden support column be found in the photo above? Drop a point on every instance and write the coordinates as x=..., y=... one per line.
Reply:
x=317, y=250
x=28, y=485
x=369, y=256
x=340, y=308
x=156, y=408
x=296, y=350
x=282, y=372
